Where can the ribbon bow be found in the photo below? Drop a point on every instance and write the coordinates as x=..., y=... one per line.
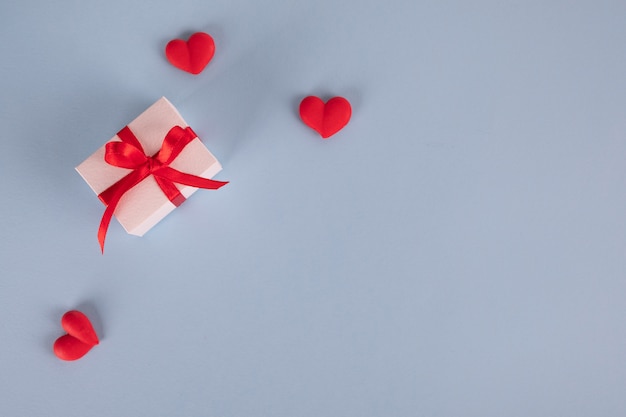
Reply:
x=130, y=154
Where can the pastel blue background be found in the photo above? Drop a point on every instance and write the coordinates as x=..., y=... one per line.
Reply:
x=457, y=250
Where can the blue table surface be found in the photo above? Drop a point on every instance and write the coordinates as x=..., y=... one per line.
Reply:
x=458, y=249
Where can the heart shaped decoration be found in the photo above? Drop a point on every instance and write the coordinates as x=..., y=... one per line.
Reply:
x=326, y=119
x=191, y=56
x=80, y=337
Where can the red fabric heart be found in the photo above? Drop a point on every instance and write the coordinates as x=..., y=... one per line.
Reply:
x=191, y=56
x=80, y=339
x=326, y=119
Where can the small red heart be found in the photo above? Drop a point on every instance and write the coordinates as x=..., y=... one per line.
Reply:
x=80, y=339
x=326, y=119
x=191, y=56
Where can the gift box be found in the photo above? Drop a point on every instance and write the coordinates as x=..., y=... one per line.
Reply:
x=148, y=169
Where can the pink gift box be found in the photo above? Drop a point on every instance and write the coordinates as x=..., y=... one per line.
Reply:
x=145, y=204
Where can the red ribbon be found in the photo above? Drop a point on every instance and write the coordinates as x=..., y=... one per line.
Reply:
x=130, y=154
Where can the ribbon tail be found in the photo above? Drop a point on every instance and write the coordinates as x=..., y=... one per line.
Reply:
x=106, y=220
x=188, y=179
x=113, y=198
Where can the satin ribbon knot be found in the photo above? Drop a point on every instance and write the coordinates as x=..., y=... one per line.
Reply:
x=130, y=154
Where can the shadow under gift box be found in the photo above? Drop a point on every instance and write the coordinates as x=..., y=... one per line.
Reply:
x=145, y=204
